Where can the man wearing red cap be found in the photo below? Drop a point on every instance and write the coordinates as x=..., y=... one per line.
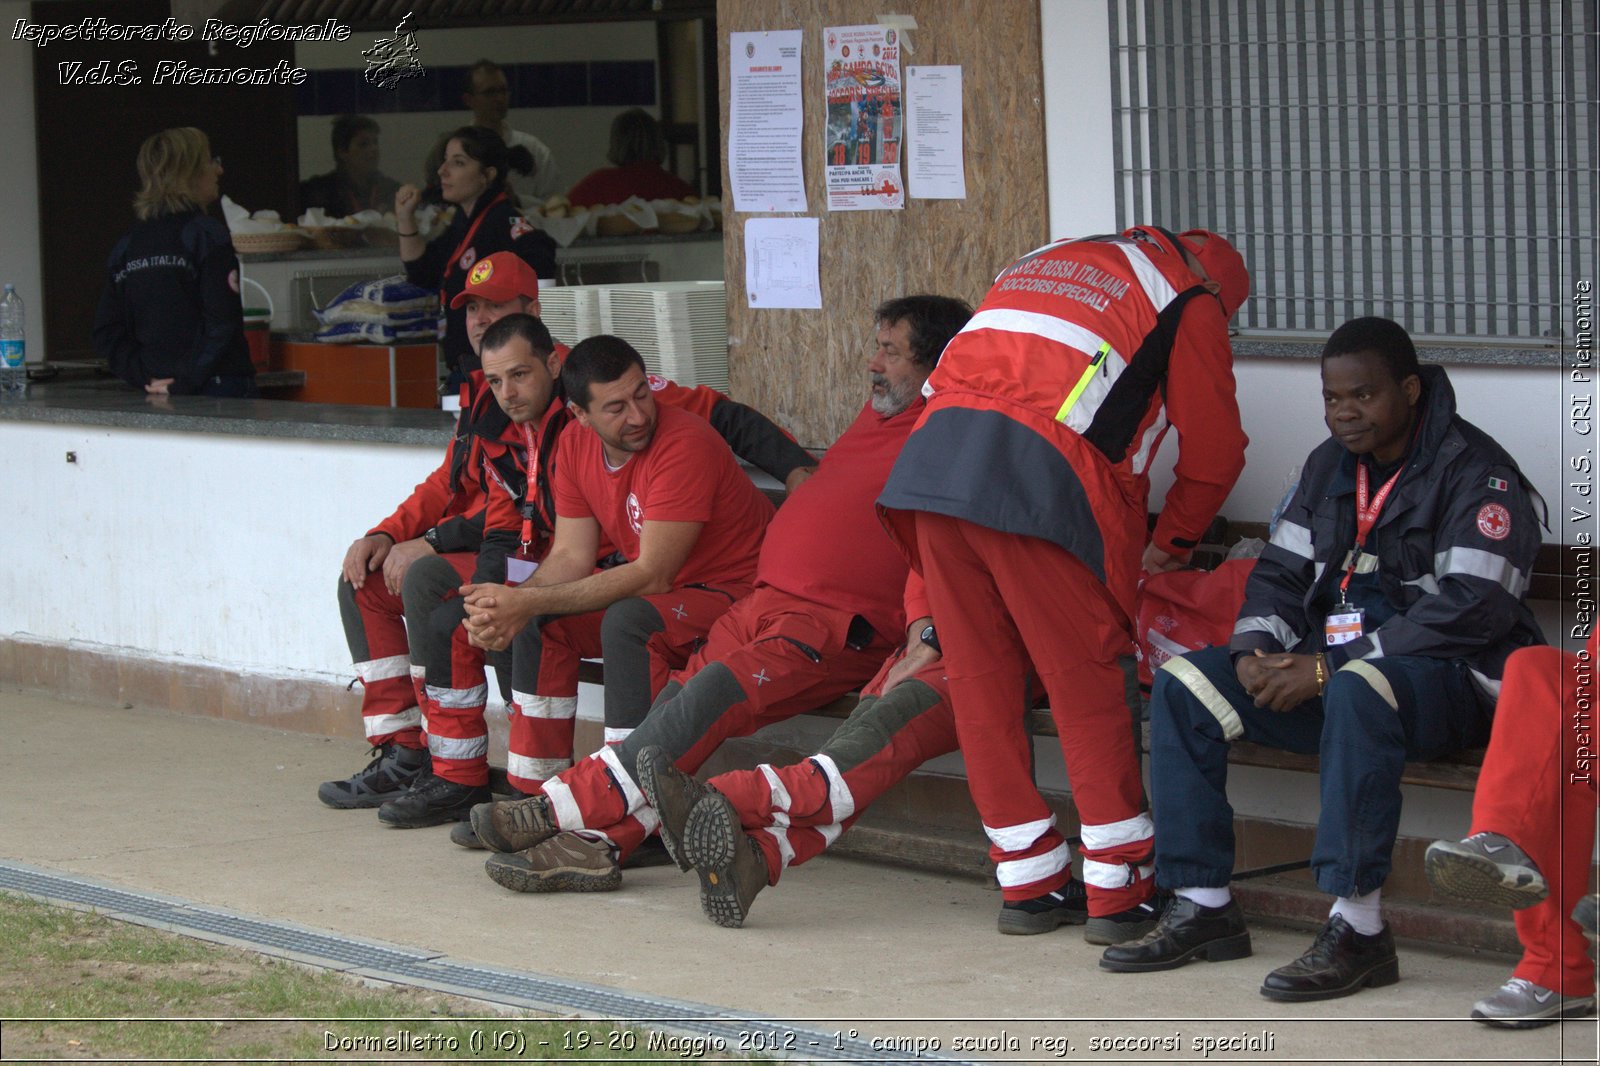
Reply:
x=1021, y=500
x=432, y=543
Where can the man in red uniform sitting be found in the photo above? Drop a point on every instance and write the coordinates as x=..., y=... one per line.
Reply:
x=1021, y=500
x=829, y=604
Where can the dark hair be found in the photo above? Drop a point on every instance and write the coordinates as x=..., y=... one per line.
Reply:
x=1386, y=339
x=636, y=138
x=933, y=320
x=528, y=327
x=346, y=127
x=482, y=64
x=597, y=360
x=487, y=147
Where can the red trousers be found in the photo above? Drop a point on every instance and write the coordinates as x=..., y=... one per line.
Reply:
x=1002, y=602
x=543, y=717
x=771, y=657
x=391, y=686
x=1537, y=787
x=796, y=812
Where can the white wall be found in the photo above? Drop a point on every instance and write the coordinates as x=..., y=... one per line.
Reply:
x=1522, y=408
x=20, y=261
x=206, y=548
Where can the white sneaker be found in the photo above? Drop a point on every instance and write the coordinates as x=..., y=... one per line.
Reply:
x=1521, y=1004
x=1486, y=867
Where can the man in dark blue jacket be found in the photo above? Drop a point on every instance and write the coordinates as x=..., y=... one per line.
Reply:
x=1375, y=629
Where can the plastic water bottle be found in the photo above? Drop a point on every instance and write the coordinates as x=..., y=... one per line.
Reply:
x=13, y=347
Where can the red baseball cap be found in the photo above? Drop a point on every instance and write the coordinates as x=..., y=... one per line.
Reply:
x=1223, y=264
x=497, y=278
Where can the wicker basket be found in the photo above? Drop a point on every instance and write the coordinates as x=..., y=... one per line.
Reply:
x=274, y=243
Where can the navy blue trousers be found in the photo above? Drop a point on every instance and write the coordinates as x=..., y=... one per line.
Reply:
x=1372, y=716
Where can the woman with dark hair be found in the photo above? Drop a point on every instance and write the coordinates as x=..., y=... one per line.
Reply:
x=637, y=150
x=170, y=320
x=473, y=178
x=355, y=183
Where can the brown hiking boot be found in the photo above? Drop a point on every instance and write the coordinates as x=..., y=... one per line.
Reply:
x=515, y=825
x=731, y=865
x=672, y=793
x=565, y=862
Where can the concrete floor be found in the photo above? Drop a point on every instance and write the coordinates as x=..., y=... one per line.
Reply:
x=225, y=814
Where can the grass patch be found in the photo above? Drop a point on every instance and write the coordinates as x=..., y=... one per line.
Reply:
x=70, y=969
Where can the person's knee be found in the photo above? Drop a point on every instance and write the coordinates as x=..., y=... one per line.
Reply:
x=629, y=622
x=427, y=581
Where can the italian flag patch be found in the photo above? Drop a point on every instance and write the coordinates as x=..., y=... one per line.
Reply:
x=1498, y=484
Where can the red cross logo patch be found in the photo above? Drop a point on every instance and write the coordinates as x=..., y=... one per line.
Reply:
x=635, y=513
x=1494, y=521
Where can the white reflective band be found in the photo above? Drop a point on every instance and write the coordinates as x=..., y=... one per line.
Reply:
x=1316, y=571
x=1167, y=645
x=1271, y=625
x=1427, y=583
x=630, y=791
x=780, y=795
x=1084, y=401
x=418, y=673
x=1292, y=538
x=829, y=833
x=785, y=849
x=1155, y=284
x=384, y=669
x=1475, y=562
x=616, y=736
x=1014, y=872
x=550, y=706
x=563, y=808
x=1374, y=679
x=534, y=769
x=458, y=698
x=1105, y=874
x=1049, y=327
x=1200, y=686
x=1489, y=685
x=422, y=719
x=457, y=747
x=1018, y=837
x=649, y=820
x=378, y=725
x=1366, y=562
x=839, y=795
x=1109, y=835
x=1147, y=443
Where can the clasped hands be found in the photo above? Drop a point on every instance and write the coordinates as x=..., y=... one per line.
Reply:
x=496, y=613
x=1281, y=681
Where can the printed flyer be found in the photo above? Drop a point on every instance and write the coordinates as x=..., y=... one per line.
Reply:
x=866, y=118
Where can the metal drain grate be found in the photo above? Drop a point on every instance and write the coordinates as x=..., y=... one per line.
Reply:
x=406, y=966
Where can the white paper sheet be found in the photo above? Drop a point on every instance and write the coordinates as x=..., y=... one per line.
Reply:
x=765, y=115
x=780, y=262
x=936, y=169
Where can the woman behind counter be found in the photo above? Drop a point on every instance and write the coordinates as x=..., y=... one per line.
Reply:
x=170, y=319
x=638, y=150
x=472, y=177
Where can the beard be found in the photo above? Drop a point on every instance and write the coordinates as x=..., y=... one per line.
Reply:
x=894, y=398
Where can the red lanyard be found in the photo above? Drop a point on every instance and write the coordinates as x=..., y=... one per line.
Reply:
x=1366, y=515
x=530, y=436
x=472, y=231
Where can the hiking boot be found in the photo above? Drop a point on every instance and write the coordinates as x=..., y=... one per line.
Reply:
x=1185, y=931
x=1521, y=1004
x=515, y=825
x=1339, y=962
x=672, y=793
x=1486, y=867
x=731, y=866
x=1123, y=926
x=392, y=770
x=565, y=862
x=462, y=835
x=1069, y=905
x=650, y=852
x=432, y=801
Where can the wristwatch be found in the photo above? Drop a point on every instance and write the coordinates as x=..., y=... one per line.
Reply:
x=432, y=537
x=930, y=638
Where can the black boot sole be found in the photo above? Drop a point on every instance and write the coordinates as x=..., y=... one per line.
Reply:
x=1222, y=949
x=711, y=839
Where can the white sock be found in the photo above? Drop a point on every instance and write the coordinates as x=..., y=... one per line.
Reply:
x=1362, y=912
x=1208, y=897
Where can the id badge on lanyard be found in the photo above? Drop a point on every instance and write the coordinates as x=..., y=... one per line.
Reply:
x=1346, y=621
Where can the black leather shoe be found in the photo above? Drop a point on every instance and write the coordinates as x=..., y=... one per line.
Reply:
x=1341, y=962
x=1185, y=932
x=432, y=801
